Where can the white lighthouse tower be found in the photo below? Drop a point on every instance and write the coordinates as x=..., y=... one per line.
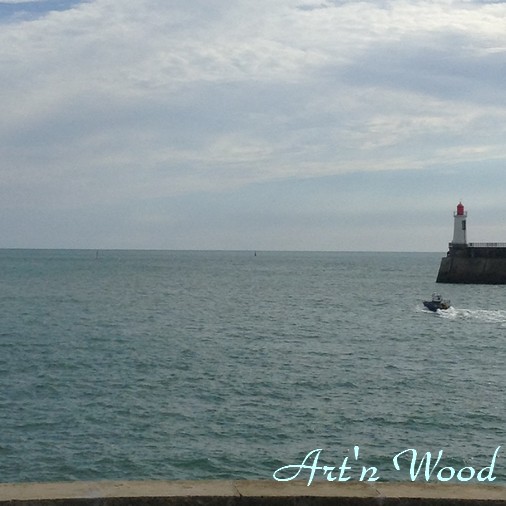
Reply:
x=459, y=225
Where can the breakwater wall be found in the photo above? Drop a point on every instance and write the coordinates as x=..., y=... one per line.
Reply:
x=476, y=270
x=249, y=493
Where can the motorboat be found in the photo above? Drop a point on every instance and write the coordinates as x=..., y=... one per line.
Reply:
x=436, y=303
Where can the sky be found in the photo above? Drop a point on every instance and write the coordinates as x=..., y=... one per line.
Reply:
x=313, y=125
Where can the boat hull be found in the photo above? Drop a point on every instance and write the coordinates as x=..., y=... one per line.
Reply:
x=434, y=306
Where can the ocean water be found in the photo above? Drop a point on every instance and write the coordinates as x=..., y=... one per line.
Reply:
x=212, y=365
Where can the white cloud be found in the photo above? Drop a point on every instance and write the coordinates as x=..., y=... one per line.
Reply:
x=118, y=101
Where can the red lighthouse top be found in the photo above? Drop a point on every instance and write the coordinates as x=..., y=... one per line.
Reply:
x=460, y=209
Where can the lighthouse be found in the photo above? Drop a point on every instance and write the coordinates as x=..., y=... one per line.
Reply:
x=477, y=263
x=459, y=225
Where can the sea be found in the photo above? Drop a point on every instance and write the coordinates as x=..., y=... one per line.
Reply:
x=190, y=365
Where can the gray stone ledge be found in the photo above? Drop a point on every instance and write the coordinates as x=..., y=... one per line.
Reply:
x=249, y=493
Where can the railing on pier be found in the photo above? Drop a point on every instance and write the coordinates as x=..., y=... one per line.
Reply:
x=487, y=244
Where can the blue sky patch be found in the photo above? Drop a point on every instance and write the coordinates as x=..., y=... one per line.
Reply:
x=30, y=10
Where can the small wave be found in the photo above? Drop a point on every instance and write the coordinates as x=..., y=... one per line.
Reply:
x=450, y=313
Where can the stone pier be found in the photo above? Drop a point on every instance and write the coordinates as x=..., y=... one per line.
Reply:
x=249, y=493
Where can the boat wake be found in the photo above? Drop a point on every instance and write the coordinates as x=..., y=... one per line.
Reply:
x=478, y=315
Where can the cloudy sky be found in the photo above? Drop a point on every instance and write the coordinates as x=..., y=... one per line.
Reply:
x=251, y=124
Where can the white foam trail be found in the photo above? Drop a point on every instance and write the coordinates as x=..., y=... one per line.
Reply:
x=478, y=315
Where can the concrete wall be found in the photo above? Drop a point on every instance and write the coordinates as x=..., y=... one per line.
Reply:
x=455, y=269
x=249, y=493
